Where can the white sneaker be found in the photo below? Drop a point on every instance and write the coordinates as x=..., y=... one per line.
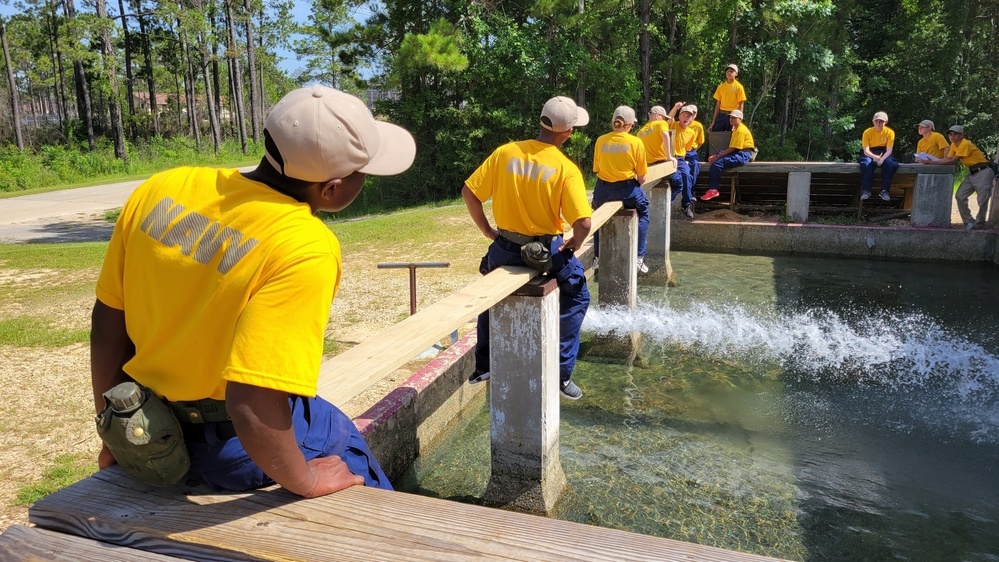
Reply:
x=642, y=268
x=596, y=263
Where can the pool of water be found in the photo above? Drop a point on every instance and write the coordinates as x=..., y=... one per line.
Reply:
x=811, y=409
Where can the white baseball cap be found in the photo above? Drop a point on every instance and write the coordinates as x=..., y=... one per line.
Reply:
x=561, y=114
x=318, y=133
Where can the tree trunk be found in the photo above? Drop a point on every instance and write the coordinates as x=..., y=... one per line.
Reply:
x=147, y=68
x=236, y=73
x=117, y=130
x=251, y=62
x=84, y=110
x=61, y=86
x=129, y=92
x=15, y=102
x=643, y=49
x=191, y=92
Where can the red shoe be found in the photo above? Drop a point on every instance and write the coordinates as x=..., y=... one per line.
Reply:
x=711, y=194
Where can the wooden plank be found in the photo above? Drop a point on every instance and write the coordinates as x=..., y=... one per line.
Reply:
x=838, y=168
x=358, y=523
x=351, y=372
x=32, y=544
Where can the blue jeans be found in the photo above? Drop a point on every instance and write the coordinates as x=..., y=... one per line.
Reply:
x=682, y=182
x=321, y=429
x=721, y=123
x=694, y=161
x=867, y=167
x=738, y=158
x=630, y=194
x=573, y=300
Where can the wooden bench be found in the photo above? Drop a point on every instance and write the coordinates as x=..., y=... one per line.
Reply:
x=358, y=523
x=19, y=543
x=798, y=189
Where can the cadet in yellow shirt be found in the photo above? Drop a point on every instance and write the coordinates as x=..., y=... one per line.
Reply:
x=932, y=146
x=979, y=179
x=692, y=158
x=878, y=143
x=683, y=141
x=655, y=136
x=729, y=96
x=215, y=294
x=739, y=152
x=620, y=165
x=533, y=187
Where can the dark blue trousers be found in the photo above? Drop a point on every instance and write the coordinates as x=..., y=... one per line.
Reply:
x=630, y=194
x=322, y=430
x=682, y=182
x=694, y=161
x=738, y=158
x=721, y=123
x=573, y=300
x=867, y=167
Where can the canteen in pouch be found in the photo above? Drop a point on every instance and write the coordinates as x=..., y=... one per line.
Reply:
x=143, y=434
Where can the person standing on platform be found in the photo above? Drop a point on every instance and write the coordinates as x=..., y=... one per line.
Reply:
x=981, y=174
x=533, y=187
x=932, y=146
x=878, y=144
x=739, y=152
x=729, y=96
x=619, y=161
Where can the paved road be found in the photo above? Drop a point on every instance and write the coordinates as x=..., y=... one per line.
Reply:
x=70, y=215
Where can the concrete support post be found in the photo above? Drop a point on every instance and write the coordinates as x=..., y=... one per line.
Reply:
x=618, y=282
x=931, y=200
x=618, y=259
x=799, y=185
x=657, y=242
x=524, y=400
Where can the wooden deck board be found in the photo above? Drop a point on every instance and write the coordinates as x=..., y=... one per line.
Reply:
x=355, y=524
x=31, y=544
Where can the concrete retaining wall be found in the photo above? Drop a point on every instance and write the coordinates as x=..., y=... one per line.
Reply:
x=922, y=244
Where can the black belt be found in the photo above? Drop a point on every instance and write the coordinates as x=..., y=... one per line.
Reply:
x=521, y=239
x=977, y=168
x=200, y=411
x=195, y=433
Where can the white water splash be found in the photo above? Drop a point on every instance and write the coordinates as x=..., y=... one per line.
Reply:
x=906, y=350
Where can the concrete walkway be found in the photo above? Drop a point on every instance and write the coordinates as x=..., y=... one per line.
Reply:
x=69, y=215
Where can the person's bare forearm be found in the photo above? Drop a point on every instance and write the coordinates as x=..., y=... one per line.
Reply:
x=477, y=213
x=262, y=419
x=110, y=349
x=580, y=230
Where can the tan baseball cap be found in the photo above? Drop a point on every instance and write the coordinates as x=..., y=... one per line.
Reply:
x=733, y=67
x=624, y=113
x=561, y=114
x=318, y=133
x=880, y=116
x=735, y=113
x=688, y=109
x=658, y=110
x=926, y=123
x=693, y=108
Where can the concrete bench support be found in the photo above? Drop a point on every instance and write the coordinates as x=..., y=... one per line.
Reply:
x=657, y=243
x=931, y=199
x=618, y=259
x=798, y=187
x=524, y=400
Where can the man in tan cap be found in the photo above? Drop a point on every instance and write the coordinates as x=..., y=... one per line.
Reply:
x=533, y=186
x=729, y=96
x=932, y=146
x=877, y=145
x=216, y=290
x=740, y=151
x=981, y=174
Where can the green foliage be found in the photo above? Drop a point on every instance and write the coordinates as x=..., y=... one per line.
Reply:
x=57, y=164
x=67, y=470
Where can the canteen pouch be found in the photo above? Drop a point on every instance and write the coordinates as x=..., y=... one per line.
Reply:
x=143, y=434
x=536, y=255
